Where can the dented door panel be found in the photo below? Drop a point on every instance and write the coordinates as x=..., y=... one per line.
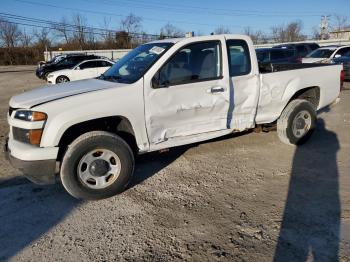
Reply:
x=184, y=110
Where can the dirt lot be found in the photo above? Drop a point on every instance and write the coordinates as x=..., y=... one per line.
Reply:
x=240, y=198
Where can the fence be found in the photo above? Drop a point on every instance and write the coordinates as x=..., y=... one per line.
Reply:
x=113, y=54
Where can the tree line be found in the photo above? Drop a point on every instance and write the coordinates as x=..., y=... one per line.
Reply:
x=20, y=46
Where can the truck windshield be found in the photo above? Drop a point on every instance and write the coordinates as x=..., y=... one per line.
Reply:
x=133, y=65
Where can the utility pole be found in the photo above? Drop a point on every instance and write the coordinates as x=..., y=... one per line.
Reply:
x=324, y=26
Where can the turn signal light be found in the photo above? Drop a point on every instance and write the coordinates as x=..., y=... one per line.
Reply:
x=35, y=136
x=38, y=116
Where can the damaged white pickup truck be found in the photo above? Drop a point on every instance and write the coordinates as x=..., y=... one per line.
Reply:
x=162, y=94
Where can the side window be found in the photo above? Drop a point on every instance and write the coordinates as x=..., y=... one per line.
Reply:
x=277, y=54
x=102, y=63
x=239, y=57
x=288, y=53
x=347, y=53
x=86, y=65
x=263, y=56
x=343, y=51
x=302, y=50
x=195, y=62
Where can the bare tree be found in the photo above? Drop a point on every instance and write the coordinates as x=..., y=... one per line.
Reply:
x=80, y=30
x=131, y=25
x=122, y=39
x=62, y=29
x=222, y=30
x=43, y=39
x=258, y=37
x=170, y=30
x=289, y=33
x=9, y=33
x=316, y=34
x=340, y=24
x=108, y=35
x=25, y=38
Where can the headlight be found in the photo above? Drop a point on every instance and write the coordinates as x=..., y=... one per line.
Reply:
x=28, y=115
x=29, y=136
x=49, y=76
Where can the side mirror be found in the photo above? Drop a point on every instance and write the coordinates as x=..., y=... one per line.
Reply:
x=156, y=82
x=77, y=68
x=337, y=56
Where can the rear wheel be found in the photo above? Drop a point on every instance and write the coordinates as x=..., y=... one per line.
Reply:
x=297, y=122
x=62, y=79
x=97, y=165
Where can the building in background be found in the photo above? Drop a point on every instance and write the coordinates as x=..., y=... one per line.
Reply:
x=340, y=34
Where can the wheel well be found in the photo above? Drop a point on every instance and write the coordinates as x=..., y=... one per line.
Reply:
x=311, y=94
x=117, y=124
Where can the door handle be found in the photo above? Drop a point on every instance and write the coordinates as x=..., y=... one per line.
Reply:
x=216, y=89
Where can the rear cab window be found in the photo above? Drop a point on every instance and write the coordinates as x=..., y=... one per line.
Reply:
x=239, y=57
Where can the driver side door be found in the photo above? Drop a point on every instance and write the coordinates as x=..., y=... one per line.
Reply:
x=189, y=94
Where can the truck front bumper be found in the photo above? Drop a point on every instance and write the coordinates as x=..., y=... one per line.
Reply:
x=40, y=172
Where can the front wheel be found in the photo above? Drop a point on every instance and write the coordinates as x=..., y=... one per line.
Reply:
x=297, y=122
x=97, y=165
x=62, y=79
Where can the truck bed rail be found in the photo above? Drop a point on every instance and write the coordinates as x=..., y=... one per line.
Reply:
x=271, y=68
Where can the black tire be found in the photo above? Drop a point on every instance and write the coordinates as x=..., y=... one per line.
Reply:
x=62, y=79
x=288, y=117
x=96, y=140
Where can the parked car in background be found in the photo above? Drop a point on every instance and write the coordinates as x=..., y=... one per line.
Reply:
x=68, y=61
x=56, y=59
x=84, y=70
x=300, y=49
x=326, y=54
x=345, y=61
x=276, y=56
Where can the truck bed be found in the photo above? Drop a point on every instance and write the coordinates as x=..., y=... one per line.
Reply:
x=285, y=80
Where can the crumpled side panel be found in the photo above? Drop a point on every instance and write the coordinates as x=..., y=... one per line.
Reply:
x=185, y=110
x=245, y=95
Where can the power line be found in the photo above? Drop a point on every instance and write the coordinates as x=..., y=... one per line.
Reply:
x=218, y=9
x=208, y=11
x=111, y=14
x=59, y=25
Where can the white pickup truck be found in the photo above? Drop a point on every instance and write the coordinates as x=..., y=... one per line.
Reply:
x=162, y=94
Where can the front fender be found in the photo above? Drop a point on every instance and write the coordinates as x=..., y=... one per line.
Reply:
x=126, y=101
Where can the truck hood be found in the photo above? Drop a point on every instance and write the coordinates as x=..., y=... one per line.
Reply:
x=53, y=92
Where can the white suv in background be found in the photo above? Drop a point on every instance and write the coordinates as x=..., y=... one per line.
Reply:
x=84, y=70
x=326, y=53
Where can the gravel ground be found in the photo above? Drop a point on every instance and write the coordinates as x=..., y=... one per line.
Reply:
x=239, y=198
